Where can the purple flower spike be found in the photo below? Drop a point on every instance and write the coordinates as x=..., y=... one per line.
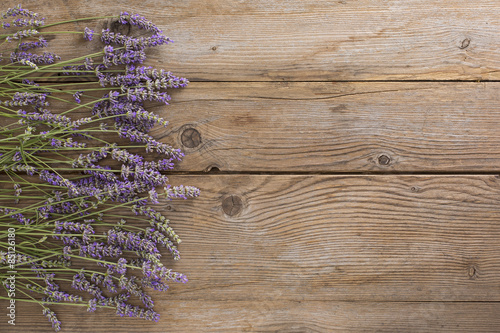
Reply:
x=139, y=21
x=83, y=188
x=56, y=324
x=88, y=34
x=77, y=96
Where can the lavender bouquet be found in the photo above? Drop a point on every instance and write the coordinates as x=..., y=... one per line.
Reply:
x=79, y=171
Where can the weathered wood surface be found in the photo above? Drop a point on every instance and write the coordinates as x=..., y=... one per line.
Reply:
x=285, y=316
x=319, y=253
x=336, y=127
x=310, y=39
x=298, y=253
x=333, y=127
x=397, y=238
x=342, y=127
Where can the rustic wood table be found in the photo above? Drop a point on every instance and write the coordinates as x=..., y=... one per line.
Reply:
x=347, y=154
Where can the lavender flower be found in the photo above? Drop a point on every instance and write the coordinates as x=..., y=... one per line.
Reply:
x=139, y=21
x=45, y=58
x=28, y=169
x=155, y=271
x=100, y=250
x=22, y=34
x=81, y=212
x=181, y=191
x=40, y=43
x=17, y=192
x=18, y=11
x=22, y=22
x=88, y=34
x=56, y=324
x=92, y=305
x=29, y=63
x=123, y=309
x=121, y=57
x=81, y=283
x=131, y=43
x=77, y=96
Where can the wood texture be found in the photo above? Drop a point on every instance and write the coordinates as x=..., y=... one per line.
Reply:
x=348, y=127
x=319, y=253
x=356, y=238
x=311, y=40
x=337, y=127
x=283, y=316
x=298, y=89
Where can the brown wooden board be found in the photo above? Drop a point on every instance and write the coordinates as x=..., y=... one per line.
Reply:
x=397, y=238
x=304, y=100
x=302, y=246
x=269, y=40
x=331, y=127
x=278, y=316
x=336, y=127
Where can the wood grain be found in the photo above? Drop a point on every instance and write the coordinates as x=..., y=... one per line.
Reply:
x=348, y=127
x=356, y=238
x=324, y=253
x=272, y=40
x=278, y=316
x=305, y=87
x=336, y=127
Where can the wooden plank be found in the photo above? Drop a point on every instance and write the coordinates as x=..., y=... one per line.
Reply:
x=339, y=127
x=336, y=238
x=258, y=239
x=277, y=316
x=332, y=127
x=328, y=40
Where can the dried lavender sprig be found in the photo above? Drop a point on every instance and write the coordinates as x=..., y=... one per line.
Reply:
x=137, y=176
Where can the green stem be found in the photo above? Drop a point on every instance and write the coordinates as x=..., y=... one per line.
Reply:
x=77, y=20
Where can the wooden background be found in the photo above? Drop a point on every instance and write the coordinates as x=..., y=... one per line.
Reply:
x=347, y=154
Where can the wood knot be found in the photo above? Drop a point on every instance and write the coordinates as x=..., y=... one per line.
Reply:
x=214, y=48
x=472, y=272
x=465, y=43
x=384, y=160
x=118, y=27
x=212, y=169
x=415, y=189
x=191, y=138
x=232, y=205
